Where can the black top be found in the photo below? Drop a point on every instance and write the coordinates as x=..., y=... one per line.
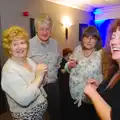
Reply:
x=112, y=97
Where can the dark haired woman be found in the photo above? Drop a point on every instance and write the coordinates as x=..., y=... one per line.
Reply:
x=90, y=65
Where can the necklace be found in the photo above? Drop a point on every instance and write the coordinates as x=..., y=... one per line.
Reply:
x=88, y=55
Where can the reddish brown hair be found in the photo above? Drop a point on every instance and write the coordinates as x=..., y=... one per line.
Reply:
x=113, y=65
x=66, y=51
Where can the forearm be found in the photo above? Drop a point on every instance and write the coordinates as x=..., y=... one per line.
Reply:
x=38, y=80
x=102, y=108
x=32, y=92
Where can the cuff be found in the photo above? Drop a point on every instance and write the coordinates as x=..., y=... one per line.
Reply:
x=66, y=68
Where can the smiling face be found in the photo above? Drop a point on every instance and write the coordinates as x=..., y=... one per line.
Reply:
x=89, y=42
x=115, y=45
x=19, y=48
x=43, y=32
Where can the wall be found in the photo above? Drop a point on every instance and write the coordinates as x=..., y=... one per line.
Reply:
x=11, y=14
x=111, y=12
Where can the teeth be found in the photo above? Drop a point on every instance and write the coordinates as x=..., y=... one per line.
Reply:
x=20, y=51
x=116, y=48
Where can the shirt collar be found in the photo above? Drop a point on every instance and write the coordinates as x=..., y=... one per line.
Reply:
x=41, y=42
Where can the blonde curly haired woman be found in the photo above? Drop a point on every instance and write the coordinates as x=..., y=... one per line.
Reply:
x=22, y=79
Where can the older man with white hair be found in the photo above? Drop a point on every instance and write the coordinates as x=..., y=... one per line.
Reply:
x=44, y=49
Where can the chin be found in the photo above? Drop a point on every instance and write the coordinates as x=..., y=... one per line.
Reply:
x=44, y=39
x=117, y=58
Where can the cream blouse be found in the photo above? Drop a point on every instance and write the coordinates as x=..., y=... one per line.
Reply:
x=87, y=68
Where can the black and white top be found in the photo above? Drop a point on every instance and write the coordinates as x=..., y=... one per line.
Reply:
x=22, y=94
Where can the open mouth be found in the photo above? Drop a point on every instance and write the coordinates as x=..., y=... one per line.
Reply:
x=20, y=52
x=116, y=49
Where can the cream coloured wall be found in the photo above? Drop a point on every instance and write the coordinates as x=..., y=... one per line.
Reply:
x=11, y=14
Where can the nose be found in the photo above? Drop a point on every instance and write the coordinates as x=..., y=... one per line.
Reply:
x=19, y=46
x=89, y=39
x=44, y=31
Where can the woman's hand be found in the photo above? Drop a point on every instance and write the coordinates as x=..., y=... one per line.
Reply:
x=93, y=82
x=91, y=87
x=72, y=63
x=41, y=70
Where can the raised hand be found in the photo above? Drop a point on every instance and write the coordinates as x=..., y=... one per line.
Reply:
x=72, y=63
x=91, y=87
x=41, y=69
x=93, y=82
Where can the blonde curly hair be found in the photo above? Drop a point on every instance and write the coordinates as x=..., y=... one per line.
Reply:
x=11, y=34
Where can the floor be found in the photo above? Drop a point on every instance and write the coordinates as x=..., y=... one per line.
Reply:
x=7, y=116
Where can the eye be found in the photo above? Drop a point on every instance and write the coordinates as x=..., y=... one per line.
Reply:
x=14, y=44
x=23, y=42
x=47, y=29
x=41, y=29
x=113, y=36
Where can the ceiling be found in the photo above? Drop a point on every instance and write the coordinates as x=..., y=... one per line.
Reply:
x=87, y=5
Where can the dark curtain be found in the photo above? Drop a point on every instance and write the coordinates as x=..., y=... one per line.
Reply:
x=3, y=100
x=32, y=28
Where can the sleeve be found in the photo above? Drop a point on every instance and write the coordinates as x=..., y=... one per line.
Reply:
x=66, y=68
x=15, y=86
x=75, y=53
x=31, y=52
x=59, y=56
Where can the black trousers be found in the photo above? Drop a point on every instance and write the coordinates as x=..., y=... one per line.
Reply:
x=52, y=90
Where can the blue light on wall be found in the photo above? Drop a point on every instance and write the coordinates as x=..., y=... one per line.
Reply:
x=102, y=26
x=97, y=11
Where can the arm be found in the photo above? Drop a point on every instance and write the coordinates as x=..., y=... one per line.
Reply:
x=102, y=108
x=59, y=60
x=19, y=90
x=73, y=61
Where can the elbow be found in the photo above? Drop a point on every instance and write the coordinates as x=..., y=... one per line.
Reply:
x=24, y=101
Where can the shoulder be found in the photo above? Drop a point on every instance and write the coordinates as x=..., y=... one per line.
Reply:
x=53, y=41
x=31, y=61
x=99, y=52
x=33, y=41
x=78, y=48
x=9, y=66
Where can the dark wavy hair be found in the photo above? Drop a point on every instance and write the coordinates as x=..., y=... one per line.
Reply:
x=92, y=31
